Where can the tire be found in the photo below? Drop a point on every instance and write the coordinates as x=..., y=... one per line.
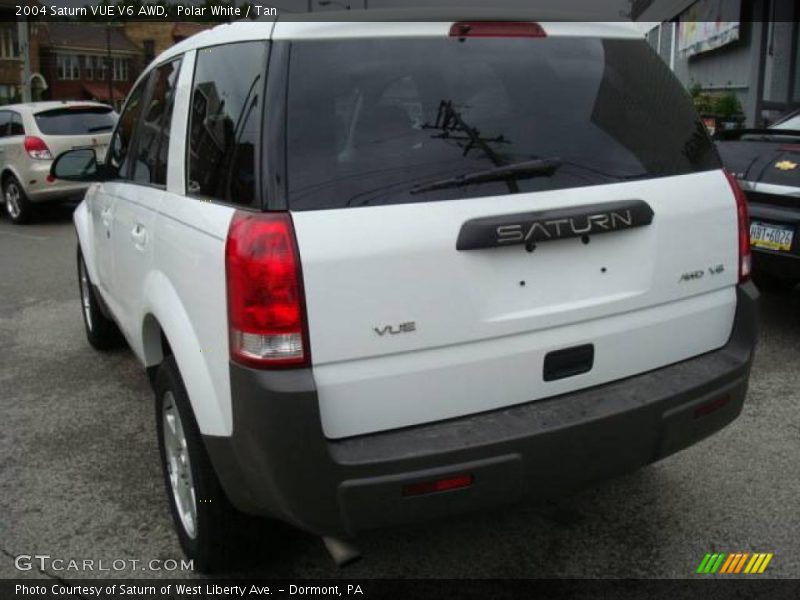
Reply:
x=101, y=331
x=208, y=526
x=768, y=282
x=17, y=206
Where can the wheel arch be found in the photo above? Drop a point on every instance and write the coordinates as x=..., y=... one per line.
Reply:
x=167, y=331
x=82, y=222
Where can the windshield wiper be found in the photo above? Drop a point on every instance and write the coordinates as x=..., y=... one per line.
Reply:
x=541, y=167
x=100, y=128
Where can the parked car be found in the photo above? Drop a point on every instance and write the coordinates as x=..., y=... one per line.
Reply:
x=767, y=165
x=31, y=135
x=381, y=271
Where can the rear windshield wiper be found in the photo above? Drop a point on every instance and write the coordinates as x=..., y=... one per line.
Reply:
x=100, y=128
x=541, y=167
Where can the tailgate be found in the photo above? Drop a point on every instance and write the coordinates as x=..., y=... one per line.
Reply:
x=426, y=299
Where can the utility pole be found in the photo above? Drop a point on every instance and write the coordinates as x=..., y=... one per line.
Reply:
x=24, y=50
x=109, y=65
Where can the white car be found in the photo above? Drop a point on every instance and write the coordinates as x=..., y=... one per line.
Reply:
x=31, y=135
x=387, y=271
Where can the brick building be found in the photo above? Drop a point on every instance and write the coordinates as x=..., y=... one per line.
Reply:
x=11, y=60
x=152, y=38
x=82, y=61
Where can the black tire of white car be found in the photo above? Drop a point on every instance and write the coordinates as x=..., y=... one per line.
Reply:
x=17, y=206
x=102, y=332
x=211, y=540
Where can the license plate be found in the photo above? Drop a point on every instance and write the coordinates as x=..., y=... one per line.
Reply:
x=770, y=236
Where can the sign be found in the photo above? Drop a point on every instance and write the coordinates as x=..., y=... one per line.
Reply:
x=706, y=25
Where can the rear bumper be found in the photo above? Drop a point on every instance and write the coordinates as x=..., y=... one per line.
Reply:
x=279, y=463
x=38, y=189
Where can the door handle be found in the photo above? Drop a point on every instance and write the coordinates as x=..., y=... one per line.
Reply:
x=139, y=235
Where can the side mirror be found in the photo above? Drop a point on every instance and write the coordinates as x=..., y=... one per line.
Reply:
x=81, y=165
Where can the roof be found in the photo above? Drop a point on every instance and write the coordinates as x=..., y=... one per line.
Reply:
x=84, y=36
x=392, y=23
x=36, y=107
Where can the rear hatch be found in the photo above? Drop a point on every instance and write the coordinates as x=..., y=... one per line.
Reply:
x=76, y=126
x=598, y=241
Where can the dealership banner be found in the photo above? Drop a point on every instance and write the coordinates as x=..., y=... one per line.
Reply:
x=706, y=25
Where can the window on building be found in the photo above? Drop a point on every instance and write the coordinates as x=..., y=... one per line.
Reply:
x=68, y=66
x=152, y=148
x=8, y=94
x=224, y=122
x=102, y=68
x=9, y=48
x=88, y=67
x=120, y=72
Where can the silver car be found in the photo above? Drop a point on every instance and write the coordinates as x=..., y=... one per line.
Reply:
x=31, y=135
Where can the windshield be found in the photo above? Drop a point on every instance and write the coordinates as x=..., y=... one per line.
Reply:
x=370, y=121
x=84, y=120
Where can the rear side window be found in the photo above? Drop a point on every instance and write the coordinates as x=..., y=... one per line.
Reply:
x=371, y=120
x=16, y=127
x=153, y=143
x=84, y=120
x=5, y=122
x=225, y=122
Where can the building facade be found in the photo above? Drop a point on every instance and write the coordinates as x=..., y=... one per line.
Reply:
x=747, y=48
x=12, y=56
x=82, y=61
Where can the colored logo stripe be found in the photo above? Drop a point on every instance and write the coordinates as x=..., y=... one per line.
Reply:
x=734, y=563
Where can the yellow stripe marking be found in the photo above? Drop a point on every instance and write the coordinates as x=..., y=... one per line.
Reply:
x=728, y=563
x=756, y=566
x=756, y=558
x=741, y=562
x=766, y=562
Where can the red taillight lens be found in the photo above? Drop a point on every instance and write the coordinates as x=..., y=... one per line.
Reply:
x=36, y=148
x=266, y=312
x=745, y=260
x=496, y=29
x=439, y=485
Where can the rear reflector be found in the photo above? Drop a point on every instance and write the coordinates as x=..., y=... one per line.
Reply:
x=440, y=485
x=496, y=29
x=711, y=407
x=745, y=259
x=266, y=309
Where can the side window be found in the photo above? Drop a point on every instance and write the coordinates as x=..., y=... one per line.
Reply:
x=16, y=127
x=152, y=147
x=121, y=142
x=225, y=122
x=5, y=121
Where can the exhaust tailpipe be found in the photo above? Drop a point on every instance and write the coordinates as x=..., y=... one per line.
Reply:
x=343, y=553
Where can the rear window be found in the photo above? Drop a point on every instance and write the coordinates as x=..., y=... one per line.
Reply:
x=371, y=120
x=76, y=121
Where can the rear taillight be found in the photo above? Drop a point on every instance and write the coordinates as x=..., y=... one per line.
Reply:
x=266, y=310
x=745, y=260
x=496, y=29
x=36, y=148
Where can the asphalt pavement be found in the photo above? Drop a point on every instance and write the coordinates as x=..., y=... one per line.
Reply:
x=80, y=479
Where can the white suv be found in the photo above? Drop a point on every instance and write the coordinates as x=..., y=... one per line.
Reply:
x=387, y=271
